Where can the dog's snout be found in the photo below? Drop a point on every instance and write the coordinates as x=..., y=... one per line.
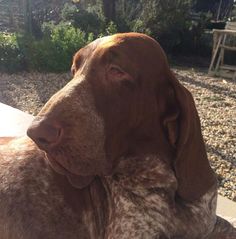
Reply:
x=45, y=133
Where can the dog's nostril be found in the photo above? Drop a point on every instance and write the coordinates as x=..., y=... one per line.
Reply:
x=44, y=133
x=43, y=141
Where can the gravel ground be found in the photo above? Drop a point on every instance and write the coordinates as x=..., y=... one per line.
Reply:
x=215, y=99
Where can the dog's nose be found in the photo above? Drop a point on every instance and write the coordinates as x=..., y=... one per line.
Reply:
x=44, y=133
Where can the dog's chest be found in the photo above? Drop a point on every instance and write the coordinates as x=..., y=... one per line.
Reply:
x=139, y=203
x=143, y=205
x=134, y=217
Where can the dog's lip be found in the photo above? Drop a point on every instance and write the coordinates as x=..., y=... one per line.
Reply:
x=61, y=169
x=77, y=181
x=57, y=166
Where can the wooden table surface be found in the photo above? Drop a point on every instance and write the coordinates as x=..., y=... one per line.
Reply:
x=13, y=122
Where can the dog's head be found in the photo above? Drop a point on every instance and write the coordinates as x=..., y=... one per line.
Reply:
x=123, y=100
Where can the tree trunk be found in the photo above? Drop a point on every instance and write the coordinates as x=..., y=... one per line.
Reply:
x=28, y=16
x=109, y=9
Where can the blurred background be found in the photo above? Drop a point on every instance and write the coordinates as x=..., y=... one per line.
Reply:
x=34, y=34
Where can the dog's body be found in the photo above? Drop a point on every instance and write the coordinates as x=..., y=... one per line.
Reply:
x=39, y=203
x=122, y=155
x=36, y=202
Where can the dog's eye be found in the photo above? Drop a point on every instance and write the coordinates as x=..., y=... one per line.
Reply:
x=116, y=71
x=117, y=74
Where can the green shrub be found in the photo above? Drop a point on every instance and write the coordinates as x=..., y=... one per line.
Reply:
x=111, y=28
x=88, y=20
x=164, y=20
x=55, y=50
x=85, y=20
x=194, y=40
x=140, y=26
x=171, y=23
x=11, y=58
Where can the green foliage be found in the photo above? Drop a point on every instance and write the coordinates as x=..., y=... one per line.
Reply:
x=55, y=50
x=140, y=26
x=11, y=58
x=194, y=40
x=87, y=21
x=169, y=21
x=164, y=20
x=52, y=45
x=233, y=13
x=90, y=20
x=111, y=28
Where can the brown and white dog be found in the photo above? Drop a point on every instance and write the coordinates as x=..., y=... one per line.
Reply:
x=118, y=153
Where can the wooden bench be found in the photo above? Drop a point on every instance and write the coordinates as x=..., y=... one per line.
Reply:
x=220, y=44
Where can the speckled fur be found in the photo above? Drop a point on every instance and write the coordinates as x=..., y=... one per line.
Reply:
x=32, y=204
x=123, y=123
x=143, y=206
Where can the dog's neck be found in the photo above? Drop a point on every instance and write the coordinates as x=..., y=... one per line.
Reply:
x=139, y=183
x=140, y=174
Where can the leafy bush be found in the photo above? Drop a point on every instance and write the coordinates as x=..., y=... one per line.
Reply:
x=11, y=59
x=193, y=38
x=52, y=46
x=140, y=26
x=88, y=20
x=52, y=53
x=83, y=19
x=171, y=23
x=164, y=20
x=111, y=28
x=55, y=50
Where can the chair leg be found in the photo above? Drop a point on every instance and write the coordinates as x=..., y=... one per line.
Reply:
x=221, y=55
x=215, y=54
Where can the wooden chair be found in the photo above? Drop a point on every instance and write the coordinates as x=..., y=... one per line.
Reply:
x=220, y=44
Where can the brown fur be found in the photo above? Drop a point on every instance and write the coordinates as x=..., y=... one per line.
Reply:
x=122, y=154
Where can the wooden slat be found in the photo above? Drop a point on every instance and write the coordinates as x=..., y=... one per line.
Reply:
x=231, y=32
x=232, y=48
x=230, y=26
x=215, y=53
x=226, y=74
x=228, y=67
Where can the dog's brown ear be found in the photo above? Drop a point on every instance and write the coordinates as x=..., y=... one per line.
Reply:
x=191, y=165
